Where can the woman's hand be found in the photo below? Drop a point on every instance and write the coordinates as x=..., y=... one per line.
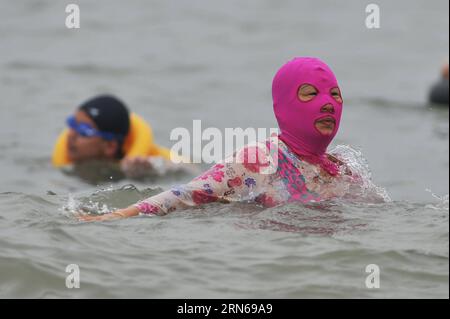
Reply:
x=92, y=218
x=119, y=214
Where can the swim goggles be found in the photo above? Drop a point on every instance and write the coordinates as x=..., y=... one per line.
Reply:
x=87, y=130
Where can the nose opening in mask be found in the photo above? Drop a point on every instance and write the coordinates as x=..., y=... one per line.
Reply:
x=327, y=108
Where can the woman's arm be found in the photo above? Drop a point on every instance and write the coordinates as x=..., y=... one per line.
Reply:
x=232, y=180
x=121, y=213
x=212, y=186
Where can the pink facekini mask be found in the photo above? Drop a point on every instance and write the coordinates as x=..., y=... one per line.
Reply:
x=296, y=118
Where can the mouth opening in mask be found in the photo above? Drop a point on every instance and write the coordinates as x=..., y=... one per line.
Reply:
x=325, y=125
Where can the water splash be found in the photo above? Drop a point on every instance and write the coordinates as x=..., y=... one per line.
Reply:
x=107, y=199
x=364, y=189
x=442, y=201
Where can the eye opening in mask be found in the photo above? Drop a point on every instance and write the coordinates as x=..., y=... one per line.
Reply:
x=336, y=94
x=307, y=92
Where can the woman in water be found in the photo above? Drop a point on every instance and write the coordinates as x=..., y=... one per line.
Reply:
x=291, y=167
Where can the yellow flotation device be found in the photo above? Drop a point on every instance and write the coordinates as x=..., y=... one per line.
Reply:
x=139, y=142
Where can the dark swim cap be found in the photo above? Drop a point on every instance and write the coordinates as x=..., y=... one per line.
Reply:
x=109, y=114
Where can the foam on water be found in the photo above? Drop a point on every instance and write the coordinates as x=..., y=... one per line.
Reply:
x=364, y=189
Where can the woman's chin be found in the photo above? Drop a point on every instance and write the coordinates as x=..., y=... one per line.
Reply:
x=325, y=131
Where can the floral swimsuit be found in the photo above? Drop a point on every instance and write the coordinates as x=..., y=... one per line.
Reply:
x=266, y=173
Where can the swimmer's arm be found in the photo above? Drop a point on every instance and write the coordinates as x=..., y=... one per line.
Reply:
x=220, y=180
x=223, y=182
x=177, y=198
x=209, y=187
x=119, y=214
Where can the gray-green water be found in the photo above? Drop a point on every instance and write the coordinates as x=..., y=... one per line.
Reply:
x=175, y=61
